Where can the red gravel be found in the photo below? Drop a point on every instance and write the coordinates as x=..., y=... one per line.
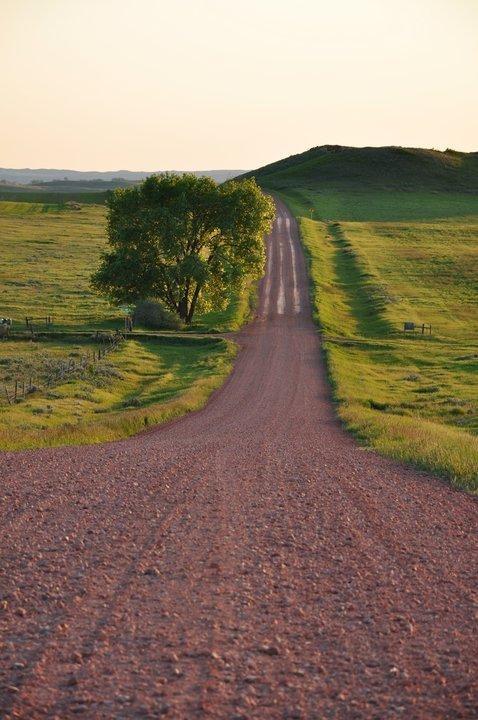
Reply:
x=248, y=561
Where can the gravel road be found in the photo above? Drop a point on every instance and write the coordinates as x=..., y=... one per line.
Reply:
x=247, y=561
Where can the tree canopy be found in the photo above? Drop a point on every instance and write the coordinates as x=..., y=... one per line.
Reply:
x=183, y=239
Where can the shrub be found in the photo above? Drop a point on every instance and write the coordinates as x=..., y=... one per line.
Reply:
x=154, y=316
x=376, y=405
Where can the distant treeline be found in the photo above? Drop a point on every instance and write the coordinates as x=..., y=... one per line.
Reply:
x=83, y=185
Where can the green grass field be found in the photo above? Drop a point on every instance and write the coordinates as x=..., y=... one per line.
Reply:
x=47, y=254
x=370, y=205
x=25, y=195
x=140, y=384
x=412, y=397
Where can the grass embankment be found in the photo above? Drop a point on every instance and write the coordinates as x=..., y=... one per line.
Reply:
x=411, y=397
x=48, y=252
x=141, y=383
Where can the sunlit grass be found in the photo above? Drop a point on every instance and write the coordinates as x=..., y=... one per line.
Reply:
x=46, y=259
x=411, y=397
x=430, y=445
x=138, y=385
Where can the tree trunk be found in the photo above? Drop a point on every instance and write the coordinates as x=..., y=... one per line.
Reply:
x=183, y=309
x=193, y=304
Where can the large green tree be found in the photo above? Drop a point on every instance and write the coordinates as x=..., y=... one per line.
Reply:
x=185, y=240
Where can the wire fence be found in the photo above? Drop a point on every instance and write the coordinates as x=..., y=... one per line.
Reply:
x=21, y=386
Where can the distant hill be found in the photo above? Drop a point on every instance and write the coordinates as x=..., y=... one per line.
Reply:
x=25, y=176
x=341, y=167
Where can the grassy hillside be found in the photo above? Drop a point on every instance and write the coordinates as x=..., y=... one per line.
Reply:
x=379, y=257
x=397, y=168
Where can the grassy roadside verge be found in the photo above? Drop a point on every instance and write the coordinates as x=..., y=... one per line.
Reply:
x=411, y=398
x=239, y=310
x=143, y=383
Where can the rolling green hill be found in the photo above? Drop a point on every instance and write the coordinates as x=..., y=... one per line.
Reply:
x=398, y=168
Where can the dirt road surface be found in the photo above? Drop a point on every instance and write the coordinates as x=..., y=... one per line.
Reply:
x=247, y=561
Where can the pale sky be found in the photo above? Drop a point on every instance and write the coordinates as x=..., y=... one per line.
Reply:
x=204, y=84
